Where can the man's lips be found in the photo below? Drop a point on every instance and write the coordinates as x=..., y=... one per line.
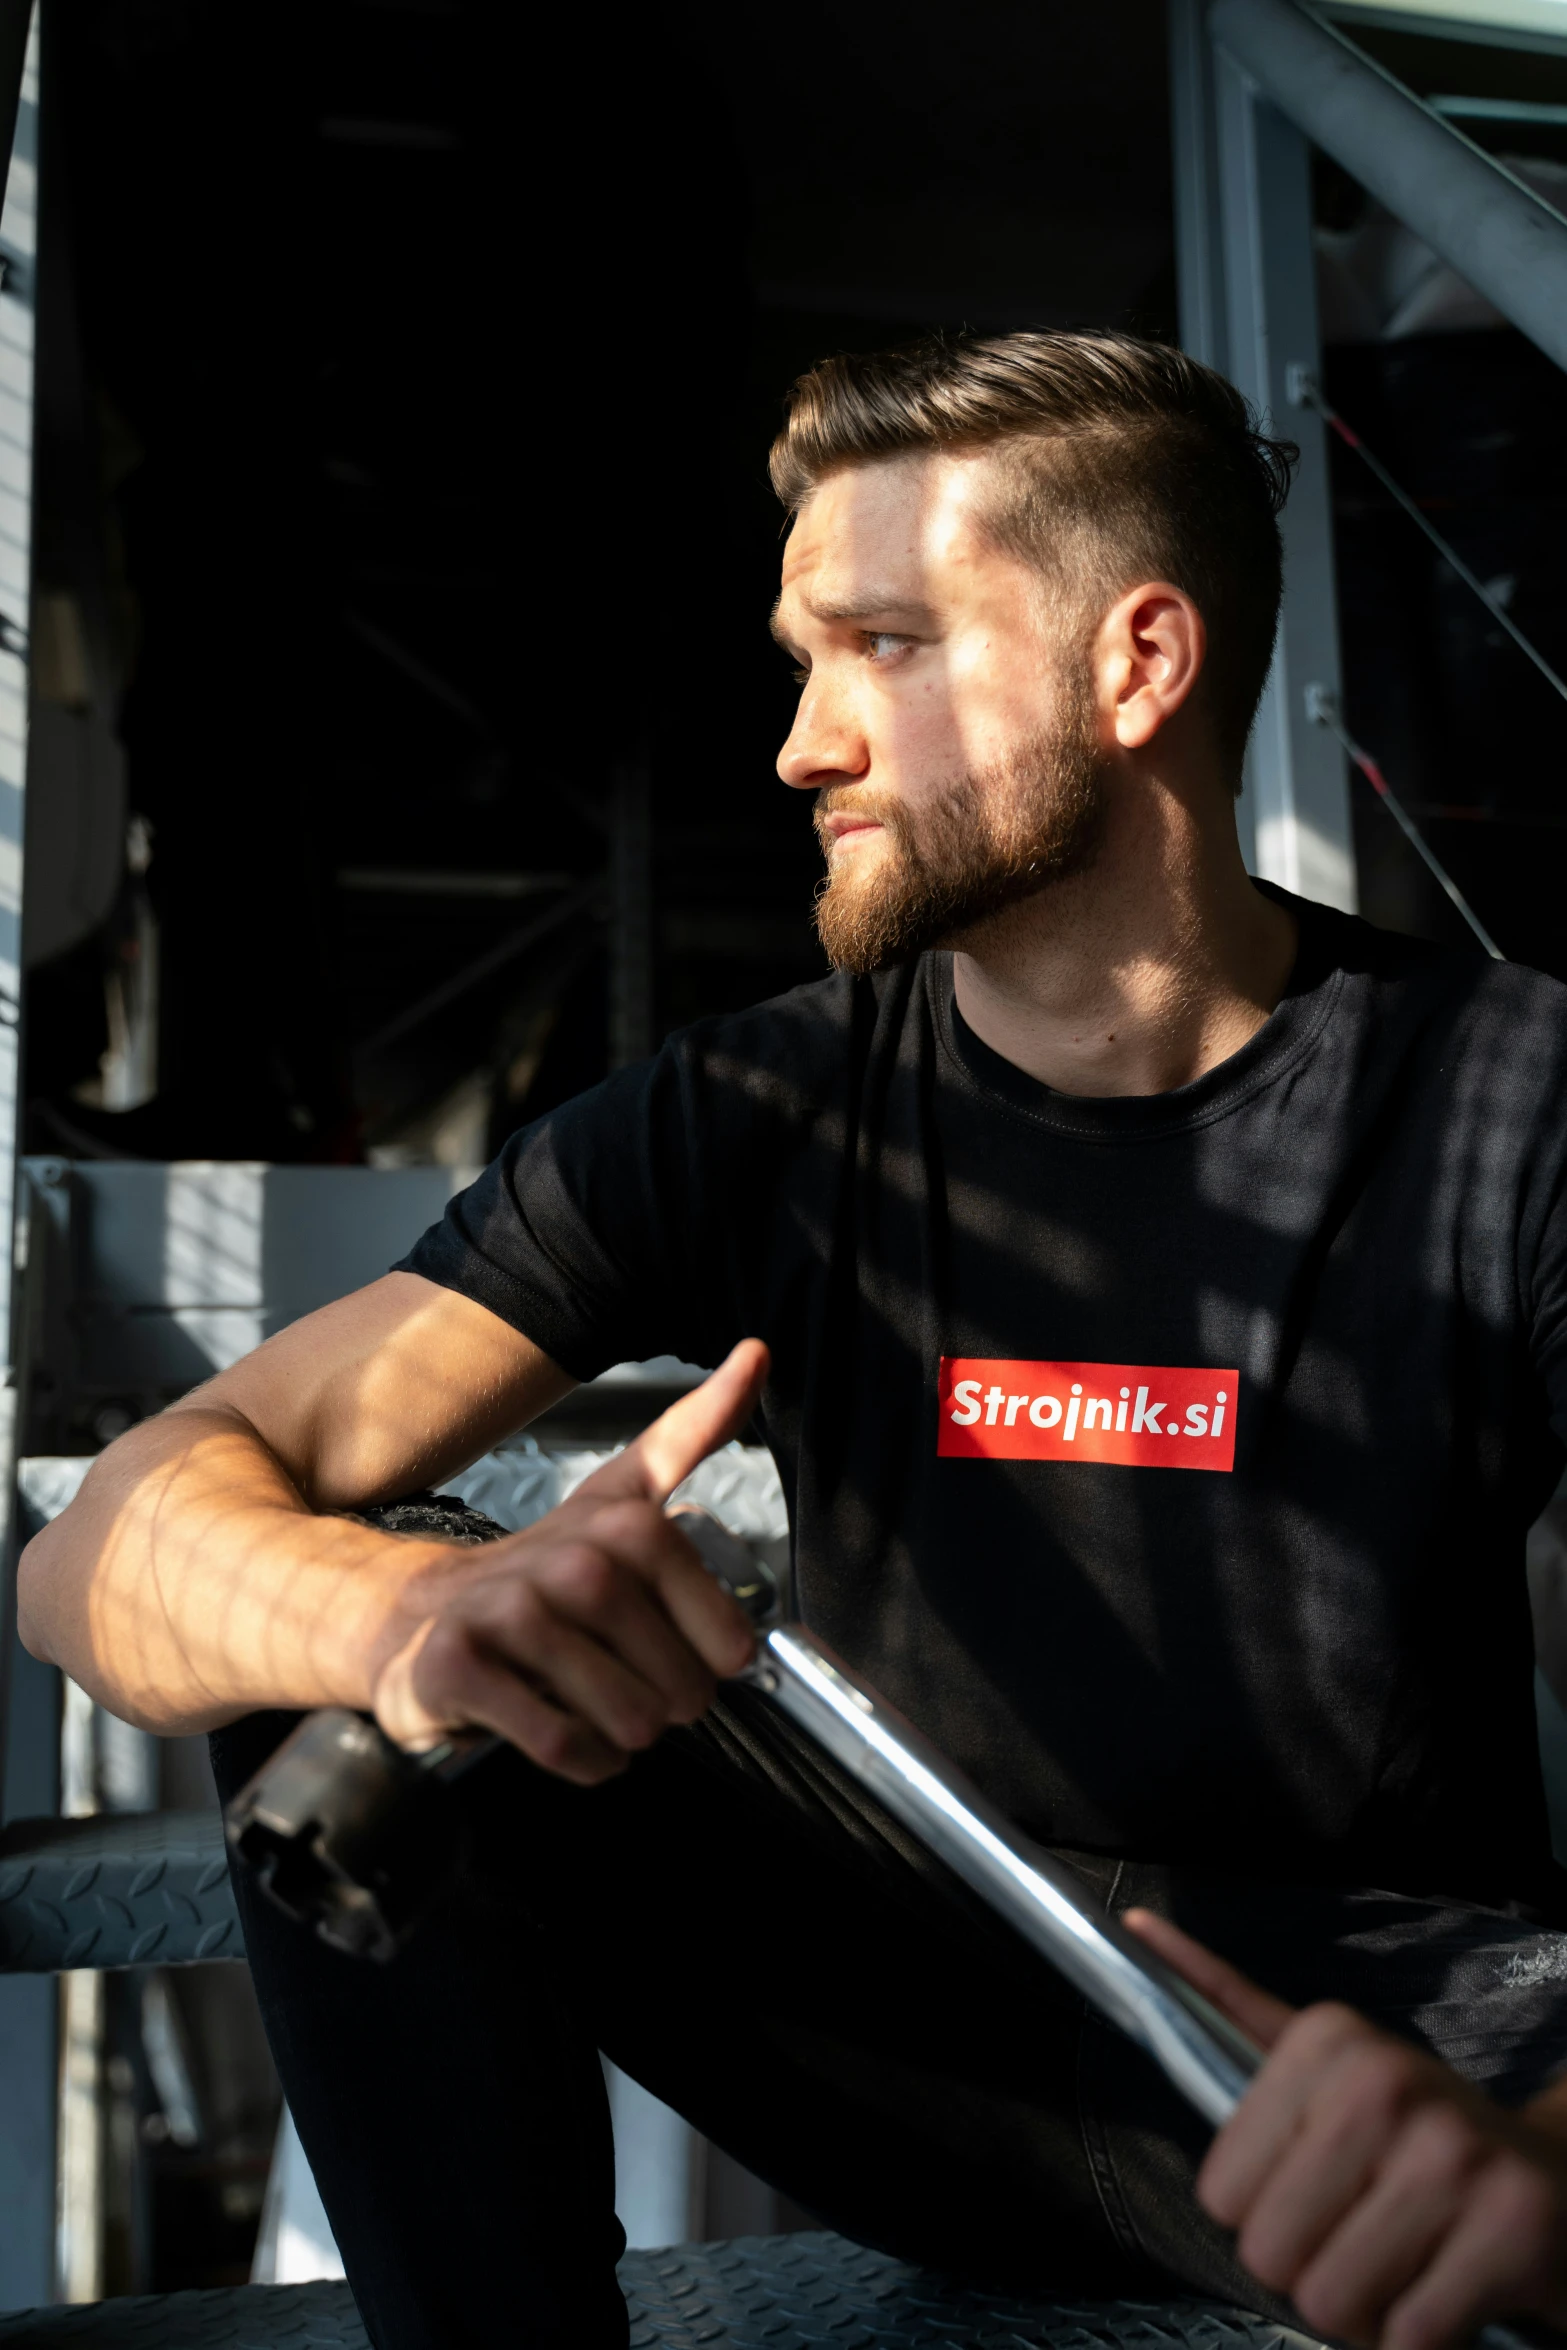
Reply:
x=841, y=828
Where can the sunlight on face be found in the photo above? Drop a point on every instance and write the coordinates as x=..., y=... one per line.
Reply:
x=952, y=746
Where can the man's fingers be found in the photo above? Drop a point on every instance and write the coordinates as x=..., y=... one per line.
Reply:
x=1391, y=2234
x=560, y=1741
x=528, y=1628
x=1503, y=2259
x=573, y=1671
x=684, y=1435
x=1366, y=2182
x=424, y=1692
x=679, y=1659
x=1361, y=2190
x=615, y=1626
x=702, y=1612
x=638, y=1537
x=1248, y=2150
x=1256, y=2011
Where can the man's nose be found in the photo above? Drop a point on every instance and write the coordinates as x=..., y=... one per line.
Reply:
x=825, y=746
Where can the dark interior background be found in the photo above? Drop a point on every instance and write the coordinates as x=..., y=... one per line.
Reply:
x=429, y=377
x=404, y=420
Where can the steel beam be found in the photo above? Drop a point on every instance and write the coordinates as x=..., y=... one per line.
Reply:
x=1199, y=240
x=1502, y=238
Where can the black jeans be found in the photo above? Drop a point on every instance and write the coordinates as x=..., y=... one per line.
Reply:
x=739, y=1930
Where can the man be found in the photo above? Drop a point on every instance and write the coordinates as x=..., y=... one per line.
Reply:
x=1154, y=1291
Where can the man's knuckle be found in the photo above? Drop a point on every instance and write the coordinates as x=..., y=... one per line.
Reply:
x=1439, y=2146
x=1366, y=2095
x=1362, y=2112
x=553, y=1741
x=630, y=1521
x=1416, y=2324
x=1522, y=2203
x=695, y=1697
x=1323, y=2301
x=641, y=1725
x=1325, y=2026
x=585, y=1578
x=1383, y=2072
x=1262, y=2253
x=447, y=1657
x=632, y=1711
x=514, y=1619
x=1359, y=2092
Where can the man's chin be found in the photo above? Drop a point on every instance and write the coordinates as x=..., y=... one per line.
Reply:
x=866, y=931
x=861, y=932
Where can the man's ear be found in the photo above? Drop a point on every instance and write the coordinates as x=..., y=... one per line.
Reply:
x=1150, y=652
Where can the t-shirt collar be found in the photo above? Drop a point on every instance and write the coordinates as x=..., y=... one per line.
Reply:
x=1285, y=1036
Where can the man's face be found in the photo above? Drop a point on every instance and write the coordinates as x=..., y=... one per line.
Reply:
x=949, y=734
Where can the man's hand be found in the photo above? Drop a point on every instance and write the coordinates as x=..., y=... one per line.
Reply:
x=583, y=1637
x=1392, y=2202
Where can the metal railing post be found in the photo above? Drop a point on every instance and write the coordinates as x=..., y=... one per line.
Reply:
x=1248, y=307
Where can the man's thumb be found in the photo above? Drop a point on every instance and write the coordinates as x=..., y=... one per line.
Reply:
x=692, y=1428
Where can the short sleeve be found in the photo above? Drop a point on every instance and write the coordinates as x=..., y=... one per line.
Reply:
x=580, y=1234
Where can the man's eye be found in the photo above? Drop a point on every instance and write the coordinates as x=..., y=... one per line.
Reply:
x=882, y=644
x=801, y=676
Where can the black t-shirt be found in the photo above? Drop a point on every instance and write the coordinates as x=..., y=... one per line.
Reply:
x=1166, y=1459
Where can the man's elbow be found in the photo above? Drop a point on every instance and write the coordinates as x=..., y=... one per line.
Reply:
x=34, y=1589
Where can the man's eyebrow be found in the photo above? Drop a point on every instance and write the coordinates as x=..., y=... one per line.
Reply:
x=871, y=604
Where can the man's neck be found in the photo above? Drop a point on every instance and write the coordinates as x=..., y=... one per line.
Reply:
x=1141, y=973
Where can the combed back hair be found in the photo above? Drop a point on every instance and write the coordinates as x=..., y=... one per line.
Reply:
x=1119, y=461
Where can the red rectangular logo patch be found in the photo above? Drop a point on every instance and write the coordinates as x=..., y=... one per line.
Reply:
x=1138, y=1415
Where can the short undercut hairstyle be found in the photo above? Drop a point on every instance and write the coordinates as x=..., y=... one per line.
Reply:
x=1120, y=460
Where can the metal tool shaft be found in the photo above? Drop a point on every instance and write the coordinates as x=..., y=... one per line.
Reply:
x=1201, y=2051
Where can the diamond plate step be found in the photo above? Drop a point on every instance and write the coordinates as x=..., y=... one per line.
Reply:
x=251, y=2317
x=801, y=2292
x=806, y=2292
x=116, y=1890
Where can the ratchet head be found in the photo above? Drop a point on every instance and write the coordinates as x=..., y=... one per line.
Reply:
x=355, y=1838
x=347, y=1833
x=343, y=1830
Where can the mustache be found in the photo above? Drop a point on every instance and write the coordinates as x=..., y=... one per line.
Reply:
x=849, y=799
x=855, y=799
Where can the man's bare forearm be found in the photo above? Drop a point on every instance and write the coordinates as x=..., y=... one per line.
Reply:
x=189, y=1582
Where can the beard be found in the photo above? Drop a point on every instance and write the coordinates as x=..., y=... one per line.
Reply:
x=993, y=837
